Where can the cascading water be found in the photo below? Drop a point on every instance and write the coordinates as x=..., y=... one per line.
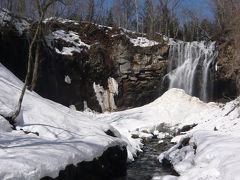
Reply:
x=190, y=67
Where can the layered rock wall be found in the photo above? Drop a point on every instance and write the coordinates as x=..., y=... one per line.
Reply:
x=75, y=55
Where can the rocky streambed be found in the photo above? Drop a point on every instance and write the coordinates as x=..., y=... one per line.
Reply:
x=113, y=163
x=146, y=165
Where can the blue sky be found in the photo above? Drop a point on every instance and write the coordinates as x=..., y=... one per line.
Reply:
x=198, y=5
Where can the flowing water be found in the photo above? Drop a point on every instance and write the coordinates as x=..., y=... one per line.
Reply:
x=190, y=67
x=146, y=164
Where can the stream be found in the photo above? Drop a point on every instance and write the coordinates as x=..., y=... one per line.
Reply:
x=146, y=165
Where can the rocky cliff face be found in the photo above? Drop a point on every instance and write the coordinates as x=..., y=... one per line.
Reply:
x=76, y=55
x=226, y=72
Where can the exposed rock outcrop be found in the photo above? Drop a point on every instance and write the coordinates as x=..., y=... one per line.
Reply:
x=226, y=72
x=75, y=55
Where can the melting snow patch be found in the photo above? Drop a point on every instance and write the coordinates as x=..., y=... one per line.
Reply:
x=61, y=20
x=69, y=37
x=6, y=17
x=102, y=26
x=216, y=67
x=143, y=42
x=67, y=79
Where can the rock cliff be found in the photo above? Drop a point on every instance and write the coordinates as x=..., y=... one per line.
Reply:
x=76, y=55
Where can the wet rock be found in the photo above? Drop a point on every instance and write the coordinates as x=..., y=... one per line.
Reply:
x=187, y=128
x=110, y=133
x=184, y=142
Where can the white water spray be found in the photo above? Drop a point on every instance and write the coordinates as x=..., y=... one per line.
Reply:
x=189, y=67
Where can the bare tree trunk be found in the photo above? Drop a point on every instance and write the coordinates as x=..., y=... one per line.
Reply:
x=28, y=73
x=36, y=64
x=136, y=6
x=41, y=10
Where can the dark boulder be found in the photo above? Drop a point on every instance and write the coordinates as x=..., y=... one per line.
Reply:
x=111, y=165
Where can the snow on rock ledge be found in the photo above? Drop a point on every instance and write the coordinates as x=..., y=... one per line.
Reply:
x=70, y=37
x=19, y=23
x=143, y=42
x=59, y=19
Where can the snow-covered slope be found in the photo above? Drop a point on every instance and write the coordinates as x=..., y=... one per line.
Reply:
x=65, y=136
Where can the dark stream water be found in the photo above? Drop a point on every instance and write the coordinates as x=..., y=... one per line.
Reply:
x=146, y=164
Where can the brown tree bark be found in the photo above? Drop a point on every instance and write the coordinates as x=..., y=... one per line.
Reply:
x=42, y=10
x=36, y=65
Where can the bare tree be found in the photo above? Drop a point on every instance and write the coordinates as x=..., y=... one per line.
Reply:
x=42, y=7
x=100, y=10
x=136, y=13
x=90, y=10
x=148, y=17
x=117, y=12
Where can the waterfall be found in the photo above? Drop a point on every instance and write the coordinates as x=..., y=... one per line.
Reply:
x=189, y=68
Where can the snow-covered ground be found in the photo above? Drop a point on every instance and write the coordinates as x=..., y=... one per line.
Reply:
x=214, y=146
x=67, y=136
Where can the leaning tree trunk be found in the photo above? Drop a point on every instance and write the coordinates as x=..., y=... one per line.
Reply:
x=15, y=115
x=36, y=63
x=41, y=10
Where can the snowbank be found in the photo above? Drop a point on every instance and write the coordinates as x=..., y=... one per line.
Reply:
x=65, y=136
x=213, y=146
